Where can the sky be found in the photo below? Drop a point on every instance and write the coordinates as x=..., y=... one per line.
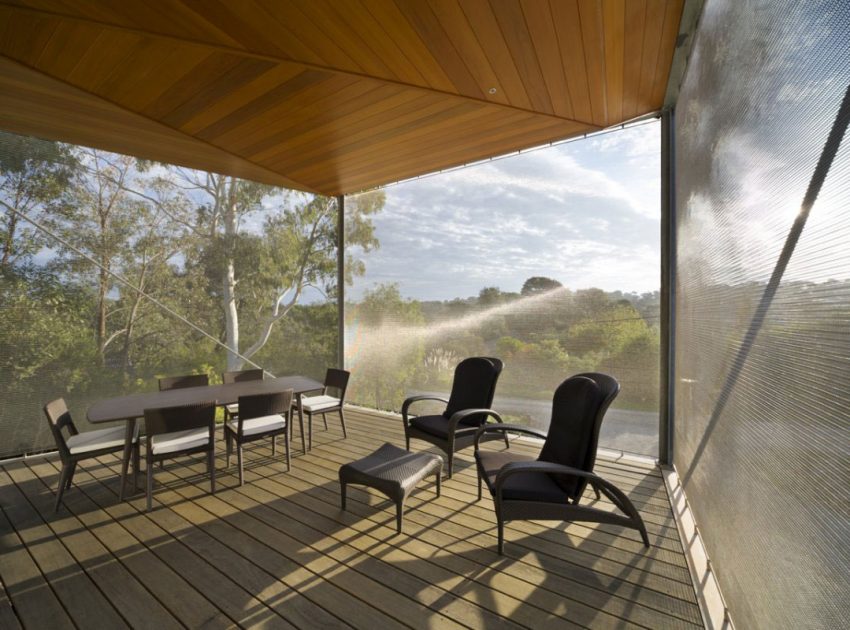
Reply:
x=586, y=213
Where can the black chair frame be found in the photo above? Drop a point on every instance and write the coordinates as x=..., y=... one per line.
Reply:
x=258, y=406
x=69, y=460
x=334, y=379
x=172, y=419
x=509, y=510
x=455, y=440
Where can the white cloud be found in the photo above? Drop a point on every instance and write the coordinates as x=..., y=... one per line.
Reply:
x=585, y=213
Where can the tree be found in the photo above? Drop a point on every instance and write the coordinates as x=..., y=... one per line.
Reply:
x=538, y=284
x=33, y=174
x=259, y=278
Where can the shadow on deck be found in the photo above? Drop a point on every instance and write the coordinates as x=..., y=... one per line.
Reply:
x=279, y=552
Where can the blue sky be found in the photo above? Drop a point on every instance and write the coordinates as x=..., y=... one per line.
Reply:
x=586, y=213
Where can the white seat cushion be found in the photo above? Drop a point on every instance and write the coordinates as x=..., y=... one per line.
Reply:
x=96, y=440
x=232, y=409
x=318, y=403
x=264, y=424
x=179, y=440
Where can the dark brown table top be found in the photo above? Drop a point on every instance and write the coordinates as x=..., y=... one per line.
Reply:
x=134, y=405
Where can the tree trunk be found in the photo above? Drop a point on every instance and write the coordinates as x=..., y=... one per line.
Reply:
x=231, y=315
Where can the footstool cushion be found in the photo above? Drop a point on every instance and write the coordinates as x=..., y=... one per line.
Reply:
x=393, y=472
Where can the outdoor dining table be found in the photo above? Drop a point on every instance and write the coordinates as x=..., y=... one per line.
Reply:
x=132, y=407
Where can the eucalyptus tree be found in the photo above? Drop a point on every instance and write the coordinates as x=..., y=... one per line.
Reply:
x=34, y=174
x=262, y=247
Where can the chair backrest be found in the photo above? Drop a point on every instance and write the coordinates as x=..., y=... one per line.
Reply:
x=238, y=376
x=259, y=405
x=338, y=380
x=179, y=418
x=578, y=407
x=473, y=387
x=179, y=382
x=58, y=417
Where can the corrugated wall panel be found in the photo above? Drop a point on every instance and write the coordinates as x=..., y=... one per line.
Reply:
x=762, y=426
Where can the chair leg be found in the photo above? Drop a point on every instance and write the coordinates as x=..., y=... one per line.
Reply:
x=399, y=515
x=137, y=466
x=63, y=483
x=438, y=479
x=286, y=446
x=342, y=488
x=507, y=441
x=71, y=475
x=149, y=488
x=211, y=469
x=310, y=431
x=274, y=445
x=301, y=426
x=478, y=471
x=501, y=527
x=451, y=464
x=239, y=462
x=325, y=419
x=342, y=421
x=228, y=447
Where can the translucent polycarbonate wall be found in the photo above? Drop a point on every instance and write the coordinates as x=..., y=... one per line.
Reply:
x=548, y=260
x=762, y=361
x=114, y=272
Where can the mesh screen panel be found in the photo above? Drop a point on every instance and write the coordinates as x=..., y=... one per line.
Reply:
x=157, y=228
x=762, y=437
x=471, y=263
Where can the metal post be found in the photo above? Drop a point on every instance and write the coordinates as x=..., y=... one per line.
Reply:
x=340, y=280
x=668, y=287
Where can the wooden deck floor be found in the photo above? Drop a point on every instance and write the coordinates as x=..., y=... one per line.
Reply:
x=278, y=552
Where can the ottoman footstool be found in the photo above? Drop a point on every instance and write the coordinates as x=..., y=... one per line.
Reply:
x=393, y=472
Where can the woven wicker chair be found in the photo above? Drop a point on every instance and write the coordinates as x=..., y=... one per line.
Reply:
x=179, y=430
x=550, y=487
x=330, y=400
x=179, y=382
x=467, y=408
x=239, y=376
x=259, y=416
x=77, y=447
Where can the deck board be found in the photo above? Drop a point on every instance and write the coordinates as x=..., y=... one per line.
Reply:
x=279, y=552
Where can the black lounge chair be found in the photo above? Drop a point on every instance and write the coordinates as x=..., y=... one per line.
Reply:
x=550, y=487
x=466, y=409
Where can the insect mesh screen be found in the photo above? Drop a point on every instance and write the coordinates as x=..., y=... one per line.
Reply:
x=762, y=436
x=548, y=260
x=114, y=272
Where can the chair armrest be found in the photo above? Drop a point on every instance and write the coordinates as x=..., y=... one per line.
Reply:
x=612, y=492
x=409, y=401
x=516, y=428
x=463, y=413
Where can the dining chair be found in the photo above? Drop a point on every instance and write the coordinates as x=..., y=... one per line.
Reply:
x=177, y=431
x=336, y=382
x=259, y=416
x=77, y=446
x=179, y=382
x=239, y=376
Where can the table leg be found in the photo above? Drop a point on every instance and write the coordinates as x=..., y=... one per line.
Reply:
x=129, y=432
x=301, y=424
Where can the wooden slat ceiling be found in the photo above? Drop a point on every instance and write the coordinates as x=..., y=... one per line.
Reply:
x=330, y=96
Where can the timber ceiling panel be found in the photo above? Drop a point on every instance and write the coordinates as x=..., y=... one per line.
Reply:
x=336, y=96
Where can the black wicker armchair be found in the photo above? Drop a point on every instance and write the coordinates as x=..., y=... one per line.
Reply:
x=467, y=409
x=550, y=487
